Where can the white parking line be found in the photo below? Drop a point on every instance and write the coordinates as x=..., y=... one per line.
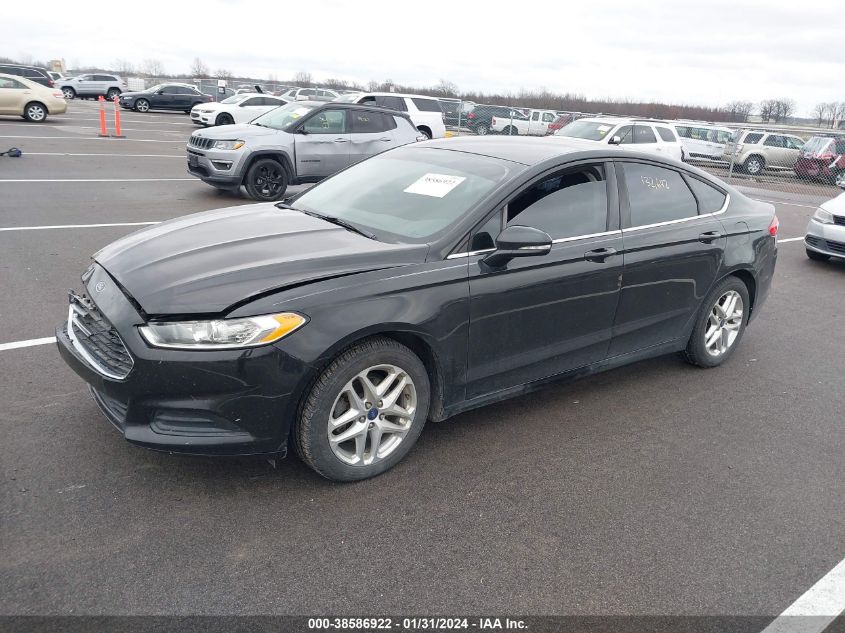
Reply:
x=74, y=226
x=106, y=154
x=820, y=605
x=29, y=343
x=101, y=180
x=789, y=239
x=94, y=138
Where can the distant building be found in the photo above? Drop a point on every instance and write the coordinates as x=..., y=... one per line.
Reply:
x=58, y=66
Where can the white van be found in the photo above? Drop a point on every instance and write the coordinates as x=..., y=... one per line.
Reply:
x=702, y=140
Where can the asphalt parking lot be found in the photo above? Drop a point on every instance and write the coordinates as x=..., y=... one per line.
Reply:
x=658, y=488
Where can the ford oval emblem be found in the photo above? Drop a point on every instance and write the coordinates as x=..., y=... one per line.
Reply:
x=100, y=285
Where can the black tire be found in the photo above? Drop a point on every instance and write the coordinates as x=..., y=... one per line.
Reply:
x=69, y=93
x=816, y=257
x=510, y=131
x=193, y=105
x=266, y=180
x=112, y=93
x=482, y=130
x=35, y=112
x=141, y=105
x=224, y=118
x=310, y=433
x=754, y=165
x=425, y=132
x=696, y=352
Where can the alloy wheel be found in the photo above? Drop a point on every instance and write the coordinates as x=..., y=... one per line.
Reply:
x=481, y=130
x=724, y=323
x=268, y=181
x=35, y=113
x=753, y=166
x=67, y=93
x=142, y=106
x=372, y=415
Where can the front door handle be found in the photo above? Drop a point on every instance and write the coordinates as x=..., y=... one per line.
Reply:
x=710, y=236
x=340, y=140
x=386, y=140
x=599, y=254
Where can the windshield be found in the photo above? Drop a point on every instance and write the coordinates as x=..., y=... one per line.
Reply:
x=280, y=118
x=350, y=98
x=590, y=130
x=411, y=195
x=235, y=98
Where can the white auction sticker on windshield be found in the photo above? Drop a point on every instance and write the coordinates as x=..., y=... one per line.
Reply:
x=435, y=185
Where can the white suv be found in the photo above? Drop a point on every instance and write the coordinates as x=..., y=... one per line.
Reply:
x=646, y=135
x=425, y=112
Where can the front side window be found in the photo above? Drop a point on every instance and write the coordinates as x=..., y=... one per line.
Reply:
x=535, y=116
x=644, y=134
x=11, y=84
x=326, y=122
x=548, y=117
x=657, y=194
x=412, y=194
x=793, y=142
x=625, y=134
x=568, y=204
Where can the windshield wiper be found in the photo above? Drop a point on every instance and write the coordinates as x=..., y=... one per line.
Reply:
x=339, y=222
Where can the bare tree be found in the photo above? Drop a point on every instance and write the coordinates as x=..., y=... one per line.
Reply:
x=836, y=112
x=446, y=88
x=767, y=110
x=820, y=112
x=198, y=69
x=123, y=66
x=302, y=79
x=739, y=111
x=153, y=67
x=782, y=109
x=223, y=73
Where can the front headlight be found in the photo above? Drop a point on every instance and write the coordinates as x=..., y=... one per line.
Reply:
x=222, y=333
x=228, y=144
x=825, y=217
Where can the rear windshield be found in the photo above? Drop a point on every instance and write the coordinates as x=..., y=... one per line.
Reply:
x=282, y=117
x=411, y=196
x=590, y=130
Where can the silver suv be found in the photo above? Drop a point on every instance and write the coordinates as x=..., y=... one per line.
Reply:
x=92, y=85
x=755, y=150
x=300, y=142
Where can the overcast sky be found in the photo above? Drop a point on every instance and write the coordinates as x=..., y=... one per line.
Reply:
x=705, y=52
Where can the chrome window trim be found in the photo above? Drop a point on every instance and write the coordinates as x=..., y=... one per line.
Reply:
x=470, y=253
x=561, y=240
x=692, y=217
x=71, y=320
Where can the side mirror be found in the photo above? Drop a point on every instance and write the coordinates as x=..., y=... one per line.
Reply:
x=615, y=140
x=518, y=241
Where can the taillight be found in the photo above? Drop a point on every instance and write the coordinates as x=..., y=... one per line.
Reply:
x=827, y=156
x=58, y=94
x=471, y=115
x=773, y=226
x=51, y=84
x=493, y=121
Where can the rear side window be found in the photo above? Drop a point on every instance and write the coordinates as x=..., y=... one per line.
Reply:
x=666, y=134
x=656, y=194
x=327, y=122
x=31, y=73
x=683, y=131
x=752, y=138
x=775, y=141
x=644, y=134
x=393, y=103
x=426, y=105
x=568, y=204
x=709, y=198
x=11, y=84
x=104, y=78
x=368, y=122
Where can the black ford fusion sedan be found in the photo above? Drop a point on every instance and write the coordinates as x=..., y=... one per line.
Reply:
x=423, y=282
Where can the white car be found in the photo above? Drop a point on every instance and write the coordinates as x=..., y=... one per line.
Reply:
x=425, y=112
x=702, y=140
x=240, y=108
x=646, y=135
x=310, y=94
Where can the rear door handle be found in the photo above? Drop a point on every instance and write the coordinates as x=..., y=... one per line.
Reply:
x=710, y=236
x=599, y=254
x=340, y=140
x=386, y=140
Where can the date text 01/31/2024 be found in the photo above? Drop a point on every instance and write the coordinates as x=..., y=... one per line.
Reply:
x=415, y=624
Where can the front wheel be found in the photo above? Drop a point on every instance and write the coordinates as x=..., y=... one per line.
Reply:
x=68, y=93
x=510, y=131
x=266, y=180
x=142, y=105
x=364, y=412
x=754, y=165
x=224, y=119
x=720, y=324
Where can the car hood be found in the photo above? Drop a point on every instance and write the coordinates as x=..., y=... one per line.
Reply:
x=137, y=93
x=835, y=205
x=240, y=130
x=207, y=262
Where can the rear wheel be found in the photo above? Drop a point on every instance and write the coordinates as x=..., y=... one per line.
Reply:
x=224, y=119
x=754, y=165
x=35, y=112
x=266, y=180
x=364, y=412
x=510, y=131
x=142, y=105
x=817, y=257
x=720, y=324
x=482, y=130
x=112, y=93
x=425, y=132
x=68, y=93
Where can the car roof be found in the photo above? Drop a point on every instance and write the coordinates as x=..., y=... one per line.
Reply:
x=397, y=94
x=26, y=80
